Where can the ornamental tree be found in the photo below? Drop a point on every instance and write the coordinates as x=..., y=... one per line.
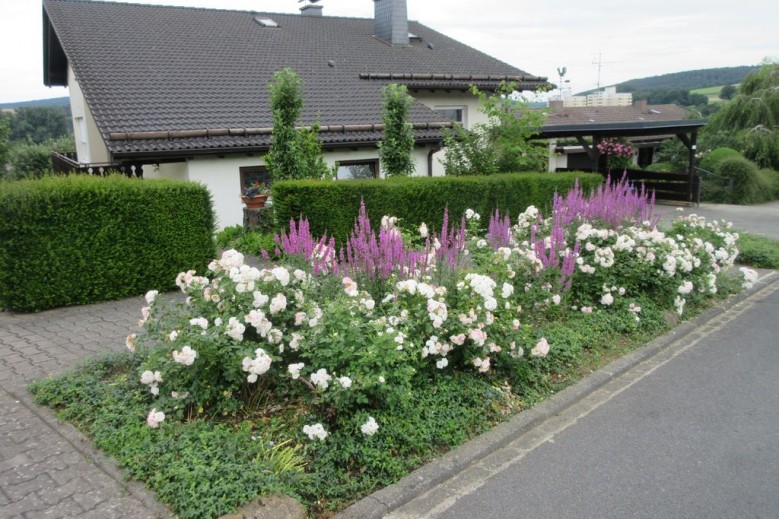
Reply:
x=395, y=149
x=294, y=154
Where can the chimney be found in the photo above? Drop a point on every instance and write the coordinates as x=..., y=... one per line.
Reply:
x=311, y=10
x=640, y=105
x=390, y=21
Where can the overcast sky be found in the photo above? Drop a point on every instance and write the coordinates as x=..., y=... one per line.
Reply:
x=632, y=39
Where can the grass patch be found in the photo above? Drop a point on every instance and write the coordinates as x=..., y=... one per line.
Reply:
x=758, y=251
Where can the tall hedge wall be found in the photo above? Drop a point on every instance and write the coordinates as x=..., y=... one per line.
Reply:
x=332, y=207
x=81, y=239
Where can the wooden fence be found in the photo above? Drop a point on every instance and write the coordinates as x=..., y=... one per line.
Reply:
x=667, y=186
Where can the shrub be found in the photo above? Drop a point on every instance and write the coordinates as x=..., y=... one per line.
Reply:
x=333, y=207
x=745, y=184
x=661, y=167
x=81, y=239
x=710, y=162
x=771, y=178
x=30, y=160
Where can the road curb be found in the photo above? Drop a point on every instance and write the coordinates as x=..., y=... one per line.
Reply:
x=384, y=501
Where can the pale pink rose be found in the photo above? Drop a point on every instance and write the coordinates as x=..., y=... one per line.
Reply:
x=458, y=339
x=541, y=349
x=155, y=418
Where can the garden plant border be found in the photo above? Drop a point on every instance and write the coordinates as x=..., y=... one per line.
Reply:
x=384, y=501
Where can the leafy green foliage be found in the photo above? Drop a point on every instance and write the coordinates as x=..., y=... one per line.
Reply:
x=82, y=239
x=249, y=243
x=293, y=154
x=727, y=92
x=712, y=159
x=333, y=207
x=398, y=142
x=5, y=132
x=753, y=116
x=30, y=160
x=501, y=145
x=36, y=124
x=199, y=468
x=758, y=251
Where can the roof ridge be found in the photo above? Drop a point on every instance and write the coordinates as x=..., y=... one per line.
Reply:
x=210, y=9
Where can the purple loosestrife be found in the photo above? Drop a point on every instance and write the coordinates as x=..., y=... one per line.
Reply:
x=613, y=203
x=499, y=230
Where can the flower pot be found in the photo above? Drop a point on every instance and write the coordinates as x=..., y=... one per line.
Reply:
x=254, y=202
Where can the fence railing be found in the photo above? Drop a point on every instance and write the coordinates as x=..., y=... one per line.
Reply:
x=68, y=163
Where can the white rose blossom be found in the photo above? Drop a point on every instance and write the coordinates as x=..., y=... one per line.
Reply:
x=186, y=356
x=315, y=432
x=370, y=427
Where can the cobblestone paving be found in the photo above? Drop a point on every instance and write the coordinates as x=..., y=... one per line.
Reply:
x=47, y=469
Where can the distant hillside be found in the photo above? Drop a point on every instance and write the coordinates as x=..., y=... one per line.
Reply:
x=57, y=101
x=688, y=80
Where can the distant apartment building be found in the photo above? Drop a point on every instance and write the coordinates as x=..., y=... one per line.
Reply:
x=606, y=97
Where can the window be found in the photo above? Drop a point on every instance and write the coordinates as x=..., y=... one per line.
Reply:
x=455, y=113
x=357, y=169
x=252, y=174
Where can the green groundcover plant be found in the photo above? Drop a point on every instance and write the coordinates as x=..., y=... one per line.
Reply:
x=334, y=373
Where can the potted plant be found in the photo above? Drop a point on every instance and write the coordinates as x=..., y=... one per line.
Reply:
x=255, y=195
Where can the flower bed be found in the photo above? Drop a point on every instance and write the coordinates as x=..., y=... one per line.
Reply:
x=325, y=359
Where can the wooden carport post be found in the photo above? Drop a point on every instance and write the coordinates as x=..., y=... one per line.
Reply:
x=691, y=143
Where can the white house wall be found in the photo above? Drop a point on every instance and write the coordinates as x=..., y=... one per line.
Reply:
x=439, y=99
x=90, y=147
x=222, y=175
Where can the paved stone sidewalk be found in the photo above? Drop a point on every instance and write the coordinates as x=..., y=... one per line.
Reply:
x=47, y=468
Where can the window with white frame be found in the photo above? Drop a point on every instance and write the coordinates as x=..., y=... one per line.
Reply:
x=457, y=114
x=358, y=169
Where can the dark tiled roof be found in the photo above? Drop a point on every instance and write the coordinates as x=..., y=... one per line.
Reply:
x=152, y=68
x=614, y=114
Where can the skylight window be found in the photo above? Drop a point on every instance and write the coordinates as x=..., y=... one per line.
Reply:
x=412, y=36
x=266, y=22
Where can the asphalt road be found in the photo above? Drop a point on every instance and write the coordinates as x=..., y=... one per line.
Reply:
x=691, y=433
x=758, y=219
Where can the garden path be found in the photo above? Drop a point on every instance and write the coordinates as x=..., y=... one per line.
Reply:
x=47, y=468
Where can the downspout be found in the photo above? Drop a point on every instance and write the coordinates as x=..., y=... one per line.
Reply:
x=435, y=149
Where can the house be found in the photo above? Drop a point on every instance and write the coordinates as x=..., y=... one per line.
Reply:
x=180, y=92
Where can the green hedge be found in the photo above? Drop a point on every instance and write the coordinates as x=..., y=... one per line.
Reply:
x=81, y=239
x=332, y=207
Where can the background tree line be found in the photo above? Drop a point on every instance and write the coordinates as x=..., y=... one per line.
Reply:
x=27, y=137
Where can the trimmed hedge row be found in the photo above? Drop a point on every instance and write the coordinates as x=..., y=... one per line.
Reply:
x=332, y=207
x=81, y=239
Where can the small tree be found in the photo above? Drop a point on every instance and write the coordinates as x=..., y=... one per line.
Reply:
x=294, y=154
x=503, y=144
x=727, y=92
x=396, y=147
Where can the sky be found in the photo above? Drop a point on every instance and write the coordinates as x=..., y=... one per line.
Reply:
x=630, y=39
